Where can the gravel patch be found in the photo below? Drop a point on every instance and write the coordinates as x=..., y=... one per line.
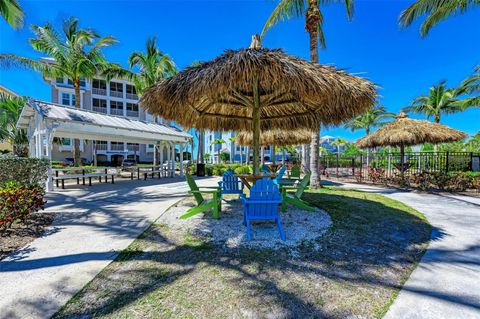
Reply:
x=300, y=226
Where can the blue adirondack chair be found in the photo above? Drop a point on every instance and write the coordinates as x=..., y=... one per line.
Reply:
x=265, y=169
x=230, y=184
x=263, y=204
x=280, y=173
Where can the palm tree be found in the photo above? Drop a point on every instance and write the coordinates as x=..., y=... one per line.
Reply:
x=373, y=117
x=339, y=142
x=440, y=100
x=287, y=9
x=218, y=141
x=10, y=109
x=207, y=156
x=471, y=87
x=232, y=149
x=12, y=13
x=76, y=55
x=436, y=11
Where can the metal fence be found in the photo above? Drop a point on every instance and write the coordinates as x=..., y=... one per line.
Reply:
x=389, y=164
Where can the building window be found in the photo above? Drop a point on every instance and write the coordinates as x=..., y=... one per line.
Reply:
x=116, y=89
x=99, y=87
x=116, y=107
x=131, y=92
x=82, y=82
x=99, y=105
x=132, y=109
x=68, y=99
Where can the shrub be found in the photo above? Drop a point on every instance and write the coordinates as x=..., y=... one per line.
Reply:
x=219, y=169
x=440, y=180
x=422, y=180
x=245, y=169
x=209, y=170
x=18, y=201
x=459, y=182
x=24, y=171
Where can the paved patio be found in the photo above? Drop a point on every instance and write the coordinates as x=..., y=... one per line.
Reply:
x=446, y=283
x=92, y=225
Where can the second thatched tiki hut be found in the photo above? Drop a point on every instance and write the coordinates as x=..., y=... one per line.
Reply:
x=258, y=89
x=405, y=131
x=276, y=138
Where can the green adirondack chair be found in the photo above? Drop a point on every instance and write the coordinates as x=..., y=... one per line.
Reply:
x=295, y=198
x=294, y=172
x=202, y=205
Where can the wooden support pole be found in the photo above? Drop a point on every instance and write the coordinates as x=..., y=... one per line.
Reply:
x=256, y=124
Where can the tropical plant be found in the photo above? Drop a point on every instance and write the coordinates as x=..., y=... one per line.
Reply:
x=440, y=100
x=232, y=148
x=76, y=54
x=351, y=150
x=207, y=156
x=470, y=87
x=435, y=12
x=374, y=117
x=147, y=68
x=218, y=141
x=338, y=142
x=473, y=145
x=287, y=9
x=12, y=13
x=10, y=109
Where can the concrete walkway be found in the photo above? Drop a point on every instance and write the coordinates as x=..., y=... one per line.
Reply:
x=446, y=283
x=91, y=226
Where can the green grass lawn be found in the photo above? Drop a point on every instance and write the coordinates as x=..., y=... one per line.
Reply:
x=363, y=260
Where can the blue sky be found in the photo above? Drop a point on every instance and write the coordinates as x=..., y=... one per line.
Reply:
x=402, y=63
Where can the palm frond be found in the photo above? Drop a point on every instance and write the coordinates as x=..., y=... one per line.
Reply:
x=12, y=13
x=285, y=10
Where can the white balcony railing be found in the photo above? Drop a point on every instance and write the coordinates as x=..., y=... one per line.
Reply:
x=98, y=91
x=117, y=147
x=101, y=147
x=132, y=113
x=132, y=96
x=99, y=109
x=116, y=111
x=116, y=94
x=132, y=148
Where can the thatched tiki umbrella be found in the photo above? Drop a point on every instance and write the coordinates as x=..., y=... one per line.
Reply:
x=405, y=131
x=276, y=138
x=258, y=89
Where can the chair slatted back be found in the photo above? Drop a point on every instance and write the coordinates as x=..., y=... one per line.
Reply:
x=230, y=181
x=302, y=185
x=193, y=187
x=295, y=171
x=264, y=189
x=265, y=169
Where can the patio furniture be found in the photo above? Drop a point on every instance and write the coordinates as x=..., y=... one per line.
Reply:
x=295, y=198
x=279, y=178
x=265, y=169
x=294, y=172
x=202, y=204
x=274, y=167
x=230, y=184
x=262, y=204
x=249, y=179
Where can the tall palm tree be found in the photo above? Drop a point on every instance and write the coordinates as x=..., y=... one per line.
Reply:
x=75, y=54
x=12, y=13
x=439, y=101
x=218, y=141
x=435, y=12
x=10, y=109
x=471, y=87
x=373, y=117
x=287, y=9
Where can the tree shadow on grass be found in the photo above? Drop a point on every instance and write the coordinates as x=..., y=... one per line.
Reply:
x=368, y=239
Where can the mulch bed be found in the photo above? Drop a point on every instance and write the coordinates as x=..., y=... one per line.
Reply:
x=21, y=234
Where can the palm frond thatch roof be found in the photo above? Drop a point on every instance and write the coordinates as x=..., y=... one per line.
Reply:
x=276, y=137
x=294, y=93
x=406, y=131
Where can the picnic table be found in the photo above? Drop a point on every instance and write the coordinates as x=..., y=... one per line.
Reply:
x=248, y=179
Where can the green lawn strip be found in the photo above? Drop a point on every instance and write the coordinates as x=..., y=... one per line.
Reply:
x=364, y=258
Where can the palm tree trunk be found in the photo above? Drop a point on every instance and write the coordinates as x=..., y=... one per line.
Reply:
x=241, y=154
x=76, y=142
x=200, y=158
x=262, y=155
x=312, y=20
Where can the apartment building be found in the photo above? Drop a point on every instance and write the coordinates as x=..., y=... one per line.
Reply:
x=115, y=97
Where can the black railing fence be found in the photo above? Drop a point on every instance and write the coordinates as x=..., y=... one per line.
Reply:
x=389, y=164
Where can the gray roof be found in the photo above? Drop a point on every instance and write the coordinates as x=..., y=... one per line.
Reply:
x=70, y=114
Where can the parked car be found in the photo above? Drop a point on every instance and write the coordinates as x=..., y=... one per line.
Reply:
x=128, y=163
x=68, y=161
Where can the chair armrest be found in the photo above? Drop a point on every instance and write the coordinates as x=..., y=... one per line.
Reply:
x=288, y=187
x=209, y=187
x=202, y=192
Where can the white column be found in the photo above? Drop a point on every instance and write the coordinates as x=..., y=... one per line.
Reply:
x=49, y=140
x=154, y=154
x=181, y=159
x=161, y=153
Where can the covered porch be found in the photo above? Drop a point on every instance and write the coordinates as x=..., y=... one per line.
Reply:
x=45, y=121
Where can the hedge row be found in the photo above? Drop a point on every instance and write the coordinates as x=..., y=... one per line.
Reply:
x=23, y=170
